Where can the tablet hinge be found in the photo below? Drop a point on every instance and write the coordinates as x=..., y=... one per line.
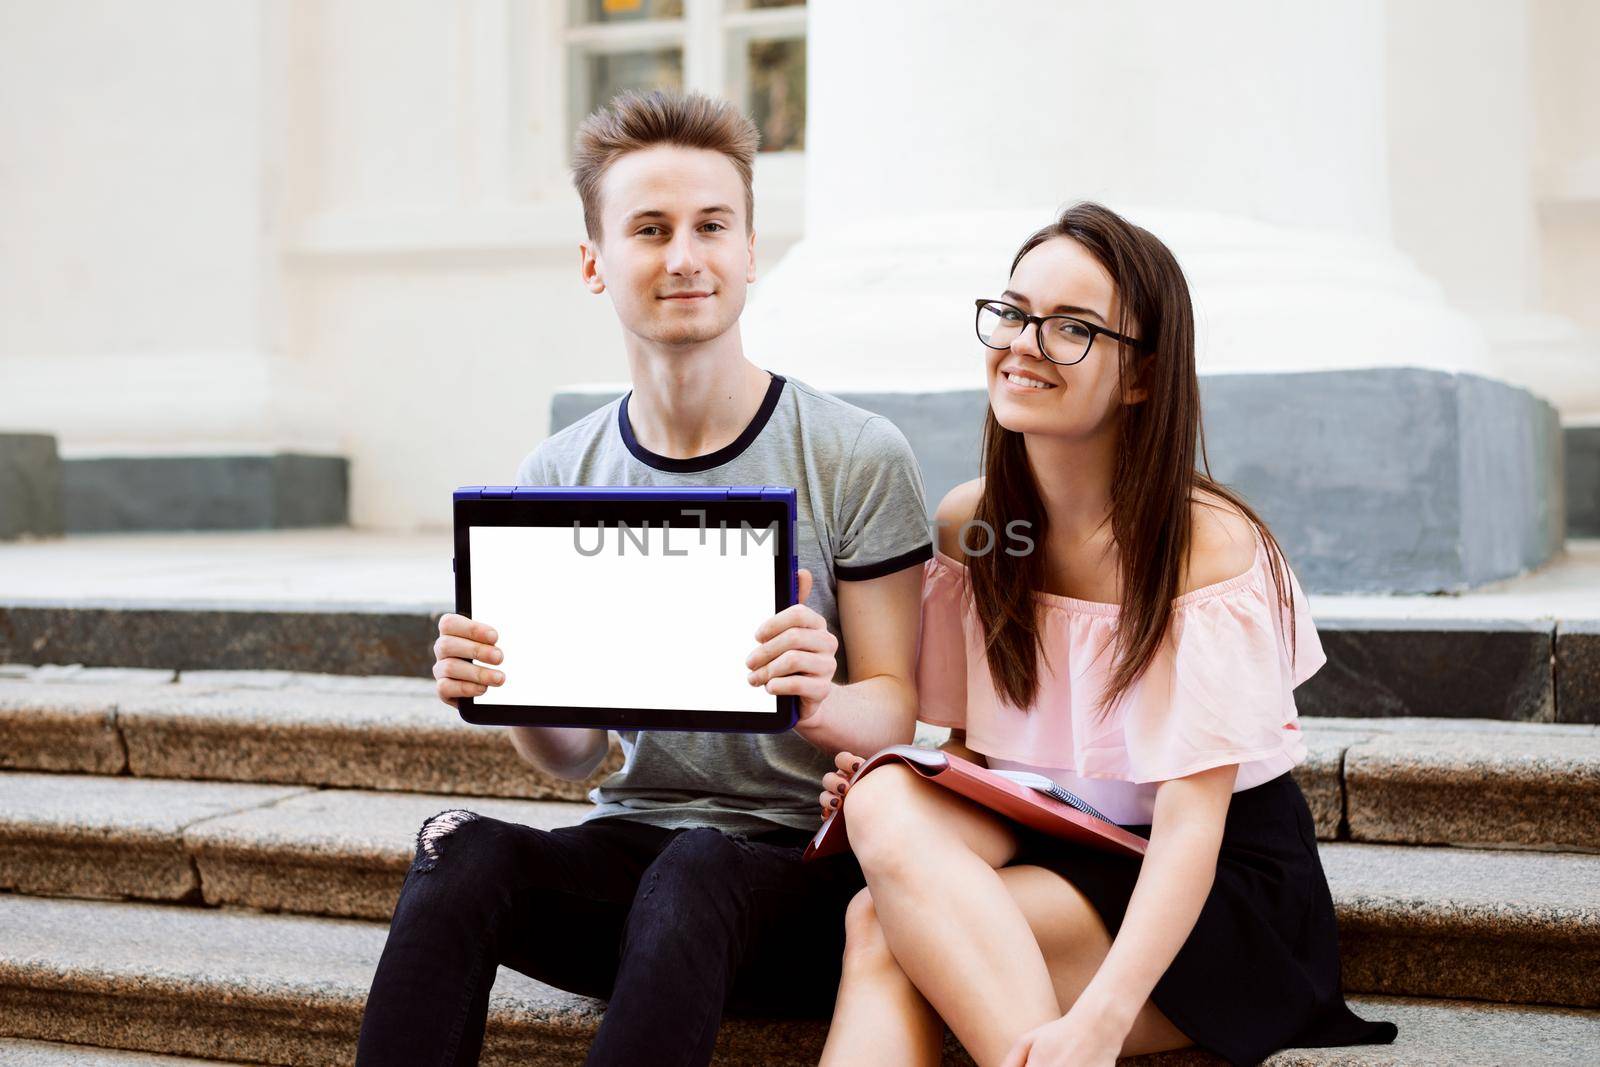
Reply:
x=746, y=492
x=497, y=492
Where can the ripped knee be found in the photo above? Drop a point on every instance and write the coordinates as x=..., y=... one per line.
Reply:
x=431, y=837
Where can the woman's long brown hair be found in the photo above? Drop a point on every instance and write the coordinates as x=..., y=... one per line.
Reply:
x=1153, y=485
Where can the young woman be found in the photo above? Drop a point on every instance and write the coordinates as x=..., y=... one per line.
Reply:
x=1138, y=641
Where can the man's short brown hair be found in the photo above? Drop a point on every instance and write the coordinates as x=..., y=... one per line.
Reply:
x=635, y=120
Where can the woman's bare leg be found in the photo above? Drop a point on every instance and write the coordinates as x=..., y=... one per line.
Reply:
x=930, y=860
x=879, y=1017
x=956, y=928
x=1075, y=941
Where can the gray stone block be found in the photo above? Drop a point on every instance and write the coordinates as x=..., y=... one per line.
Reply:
x=30, y=486
x=310, y=491
x=1582, y=445
x=1512, y=496
x=56, y=727
x=360, y=740
x=238, y=492
x=1377, y=480
x=1467, y=668
x=1518, y=788
x=1517, y=927
x=1578, y=671
x=336, y=641
x=335, y=852
x=89, y=836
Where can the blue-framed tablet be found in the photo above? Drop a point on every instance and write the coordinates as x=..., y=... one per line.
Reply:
x=626, y=607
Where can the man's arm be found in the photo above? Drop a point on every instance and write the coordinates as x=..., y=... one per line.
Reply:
x=566, y=752
x=878, y=619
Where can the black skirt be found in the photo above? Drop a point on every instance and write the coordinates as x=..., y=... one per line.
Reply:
x=1260, y=970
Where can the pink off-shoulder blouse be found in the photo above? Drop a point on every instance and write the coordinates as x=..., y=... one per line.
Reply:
x=1220, y=689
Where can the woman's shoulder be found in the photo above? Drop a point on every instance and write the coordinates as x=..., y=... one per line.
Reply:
x=955, y=510
x=1222, y=542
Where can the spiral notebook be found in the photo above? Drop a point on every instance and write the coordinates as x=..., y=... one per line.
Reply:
x=1030, y=799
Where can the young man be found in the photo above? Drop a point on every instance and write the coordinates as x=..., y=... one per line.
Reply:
x=682, y=892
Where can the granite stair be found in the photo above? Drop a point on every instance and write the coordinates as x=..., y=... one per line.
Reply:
x=200, y=864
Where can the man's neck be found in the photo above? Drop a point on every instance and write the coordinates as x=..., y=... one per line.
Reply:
x=691, y=401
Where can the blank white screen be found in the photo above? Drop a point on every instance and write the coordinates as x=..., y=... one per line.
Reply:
x=625, y=628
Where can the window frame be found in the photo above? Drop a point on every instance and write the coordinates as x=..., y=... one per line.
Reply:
x=712, y=35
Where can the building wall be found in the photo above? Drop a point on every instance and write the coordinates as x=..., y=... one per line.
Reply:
x=135, y=251
x=345, y=226
x=1566, y=93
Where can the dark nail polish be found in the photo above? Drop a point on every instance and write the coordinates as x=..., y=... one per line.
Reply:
x=833, y=802
x=856, y=766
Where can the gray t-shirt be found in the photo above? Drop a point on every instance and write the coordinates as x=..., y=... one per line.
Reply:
x=860, y=514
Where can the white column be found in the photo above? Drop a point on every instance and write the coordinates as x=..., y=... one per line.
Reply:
x=1463, y=134
x=1250, y=135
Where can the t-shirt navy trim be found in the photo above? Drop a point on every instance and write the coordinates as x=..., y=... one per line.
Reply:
x=693, y=464
x=860, y=572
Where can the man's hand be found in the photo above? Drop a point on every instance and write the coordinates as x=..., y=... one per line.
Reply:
x=460, y=642
x=796, y=654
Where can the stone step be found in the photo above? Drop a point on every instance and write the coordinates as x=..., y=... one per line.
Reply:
x=288, y=989
x=1468, y=782
x=1494, y=925
x=271, y=727
x=1471, y=782
x=1518, y=927
x=17, y=1052
x=345, y=601
x=290, y=848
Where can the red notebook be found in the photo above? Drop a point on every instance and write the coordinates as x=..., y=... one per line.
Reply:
x=1021, y=803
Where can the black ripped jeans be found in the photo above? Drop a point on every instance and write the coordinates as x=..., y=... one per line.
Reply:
x=670, y=926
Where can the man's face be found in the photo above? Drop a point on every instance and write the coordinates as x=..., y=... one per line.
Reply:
x=674, y=251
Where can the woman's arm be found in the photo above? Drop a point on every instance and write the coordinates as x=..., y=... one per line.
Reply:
x=1174, y=881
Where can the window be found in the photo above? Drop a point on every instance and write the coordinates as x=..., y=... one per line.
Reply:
x=752, y=52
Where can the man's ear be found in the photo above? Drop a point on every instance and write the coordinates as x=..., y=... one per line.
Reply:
x=750, y=270
x=590, y=269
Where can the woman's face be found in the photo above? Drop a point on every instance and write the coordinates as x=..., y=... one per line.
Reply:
x=1081, y=400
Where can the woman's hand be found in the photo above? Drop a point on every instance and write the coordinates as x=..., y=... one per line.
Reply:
x=1077, y=1039
x=834, y=784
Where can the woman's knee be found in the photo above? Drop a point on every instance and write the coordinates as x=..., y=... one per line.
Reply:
x=881, y=817
x=865, y=947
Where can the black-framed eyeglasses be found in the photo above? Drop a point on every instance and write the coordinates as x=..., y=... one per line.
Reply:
x=1063, y=340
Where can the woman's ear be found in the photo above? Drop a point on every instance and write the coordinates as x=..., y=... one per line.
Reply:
x=1134, y=388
